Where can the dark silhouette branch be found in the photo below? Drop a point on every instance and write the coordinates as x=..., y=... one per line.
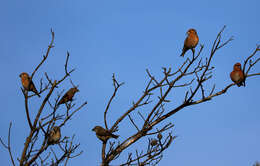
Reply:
x=8, y=146
x=46, y=55
x=116, y=87
x=27, y=110
x=200, y=69
x=32, y=155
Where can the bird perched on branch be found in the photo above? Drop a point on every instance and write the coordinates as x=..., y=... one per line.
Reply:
x=27, y=83
x=237, y=75
x=154, y=142
x=68, y=95
x=190, y=42
x=103, y=134
x=54, y=136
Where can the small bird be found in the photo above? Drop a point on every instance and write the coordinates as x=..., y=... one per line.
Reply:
x=159, y=136
x=27, y=83
x=54, y=136
x=68, y=95
x=237, y=75
x=103, y=134
x=190, y=42
x=154, y=142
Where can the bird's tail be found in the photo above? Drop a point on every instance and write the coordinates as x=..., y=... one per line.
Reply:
x=60, y=102
x=183, y=52
x=32, y=88
x=114, y=136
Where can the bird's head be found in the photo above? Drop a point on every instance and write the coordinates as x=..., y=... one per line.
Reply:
x=56, y=129
x=237, y=67
x=75, y=89
x=191, y=31
x=96, y=128
x=24, y=75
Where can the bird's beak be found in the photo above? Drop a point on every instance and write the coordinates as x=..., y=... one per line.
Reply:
x=93, y=129
x=20, y=75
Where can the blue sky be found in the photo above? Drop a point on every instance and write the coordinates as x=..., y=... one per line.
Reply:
x=125, y=38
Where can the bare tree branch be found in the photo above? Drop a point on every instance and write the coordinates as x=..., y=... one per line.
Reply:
x=46, y=55
x=116, y=87
x=8, y=146
x=193, y=68
x=31, y=154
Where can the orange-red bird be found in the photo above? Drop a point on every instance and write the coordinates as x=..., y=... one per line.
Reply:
x=190, y=42
x=237, y=75
x=68, y=95
x=27, y=83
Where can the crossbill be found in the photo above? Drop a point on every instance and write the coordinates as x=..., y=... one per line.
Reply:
x=68, y=95
x=159, y=136
x=54, y=136
x=154, y=142
x=237, y=75
x=103, y=134
x=27, y=83
x=190, y=42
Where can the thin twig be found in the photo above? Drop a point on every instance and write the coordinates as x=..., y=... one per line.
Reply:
x=46, y=55
x=116, y=87
x=8, y=146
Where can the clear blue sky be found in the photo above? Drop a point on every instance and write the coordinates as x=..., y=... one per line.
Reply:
x=127, y=37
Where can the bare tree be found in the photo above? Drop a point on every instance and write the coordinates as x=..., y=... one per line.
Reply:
x=42, y=146
x=147, y=115
x=192, y=77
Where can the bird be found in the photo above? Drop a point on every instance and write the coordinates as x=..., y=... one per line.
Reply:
x=237, y=75
x=154, y=142
x=27, y=83
x=68, y=95
x=54, y=136
x=190, y=42
x=159, y=136
x=103, y=134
